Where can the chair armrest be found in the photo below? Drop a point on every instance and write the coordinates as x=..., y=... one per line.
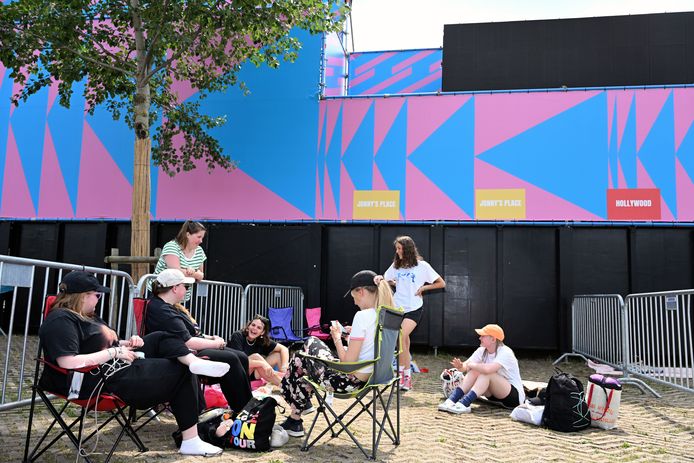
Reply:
x=65, y=371
x=344, y=367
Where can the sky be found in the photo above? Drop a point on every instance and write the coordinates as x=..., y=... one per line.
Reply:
x=406, y=24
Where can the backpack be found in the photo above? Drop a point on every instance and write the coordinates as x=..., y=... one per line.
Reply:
x=565, y=407
x=252, y=427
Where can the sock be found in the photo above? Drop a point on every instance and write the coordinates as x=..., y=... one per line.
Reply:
x=408, y=371
x=456, y=395
x=196, y=446
x=209, y=368
x=469, y=398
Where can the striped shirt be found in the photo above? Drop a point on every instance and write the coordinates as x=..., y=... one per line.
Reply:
x=172, y=248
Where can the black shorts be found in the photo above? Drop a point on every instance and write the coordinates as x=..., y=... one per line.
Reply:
x=415, y=315
x=510, y=401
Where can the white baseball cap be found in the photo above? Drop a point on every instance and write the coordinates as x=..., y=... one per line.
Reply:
x=172, y=277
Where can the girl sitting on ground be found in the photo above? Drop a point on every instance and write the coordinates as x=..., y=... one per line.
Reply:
x=492, y=371
x=264, y=355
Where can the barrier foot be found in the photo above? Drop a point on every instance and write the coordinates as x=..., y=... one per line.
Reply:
x=567, y=355
x=643, y=387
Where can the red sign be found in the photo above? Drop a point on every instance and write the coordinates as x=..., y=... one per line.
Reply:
x=633, y=204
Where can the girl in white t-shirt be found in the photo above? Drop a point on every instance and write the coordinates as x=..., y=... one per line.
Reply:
x=411, y=276
x=492, y=371
x=360, y=346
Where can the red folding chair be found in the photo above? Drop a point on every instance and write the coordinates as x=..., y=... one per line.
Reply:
x=105, y=402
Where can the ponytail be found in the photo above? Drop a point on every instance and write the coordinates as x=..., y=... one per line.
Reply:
x=384, y=295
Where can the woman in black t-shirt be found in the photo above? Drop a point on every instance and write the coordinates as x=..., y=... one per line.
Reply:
x=165, y=313
x=72, y=337
x=265, y=354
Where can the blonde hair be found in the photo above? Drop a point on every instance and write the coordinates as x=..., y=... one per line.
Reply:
x=70, y=301
x=384, y=296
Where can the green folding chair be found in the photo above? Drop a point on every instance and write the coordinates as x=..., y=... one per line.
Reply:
x=380, y=389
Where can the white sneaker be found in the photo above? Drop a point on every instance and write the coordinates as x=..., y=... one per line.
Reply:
x=453, y=407
x=197, y=446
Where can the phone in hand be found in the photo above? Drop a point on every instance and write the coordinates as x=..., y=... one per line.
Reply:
x=339, y=325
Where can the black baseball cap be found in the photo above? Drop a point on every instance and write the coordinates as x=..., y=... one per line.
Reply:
x=81, y=282
x=361, y=279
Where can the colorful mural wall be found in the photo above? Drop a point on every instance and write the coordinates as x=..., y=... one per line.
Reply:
x=570, y=155
x=394, y=72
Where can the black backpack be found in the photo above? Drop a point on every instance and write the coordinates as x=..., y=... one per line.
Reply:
x=565, y=407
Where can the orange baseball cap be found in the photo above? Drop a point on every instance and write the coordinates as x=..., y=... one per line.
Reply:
x=492, y=330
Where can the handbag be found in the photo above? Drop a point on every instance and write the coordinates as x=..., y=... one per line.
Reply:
x=252, y=427
x=604, y=396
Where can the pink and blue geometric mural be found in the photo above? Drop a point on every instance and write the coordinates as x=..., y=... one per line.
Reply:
x=302, y=158
x=395, y=72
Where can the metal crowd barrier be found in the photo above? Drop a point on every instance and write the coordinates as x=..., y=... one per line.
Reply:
x=597, y=328
x=261, y=297
x=24, y=285
x=217, y=306
x=661, y=346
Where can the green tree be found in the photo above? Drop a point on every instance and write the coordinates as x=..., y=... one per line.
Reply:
x=131, y=52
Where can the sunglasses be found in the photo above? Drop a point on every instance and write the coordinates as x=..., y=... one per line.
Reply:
x=187, y=286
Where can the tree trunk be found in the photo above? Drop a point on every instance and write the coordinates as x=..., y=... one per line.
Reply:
x=139, y=238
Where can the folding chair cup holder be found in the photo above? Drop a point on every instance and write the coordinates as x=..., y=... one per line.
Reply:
x=381, y=388
x=105, y=402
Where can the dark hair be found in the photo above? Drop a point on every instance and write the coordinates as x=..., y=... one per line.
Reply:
x=264, y=338
x=158, y=289
x=189, y=226
x=410, y=254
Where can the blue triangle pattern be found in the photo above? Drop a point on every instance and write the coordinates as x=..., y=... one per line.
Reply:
x=685, y=153
x=391, y=157
x=66, y=129
x=613, y=152
x=447, y=157
x=118, y=139
x=282, y=104
x=657, y=154
x=627, y=149
x=358, y=157
x=573, y=141
x=333, y=161
x=5, y=94
x=320, y=163
x=28, y=125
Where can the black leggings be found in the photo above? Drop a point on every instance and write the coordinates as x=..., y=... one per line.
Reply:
x=235, y=384
x=159, y=378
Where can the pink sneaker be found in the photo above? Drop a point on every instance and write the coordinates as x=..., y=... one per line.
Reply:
x=405, y=383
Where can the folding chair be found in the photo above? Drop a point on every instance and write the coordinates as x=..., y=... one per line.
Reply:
x=314, y=326
x=104, y=402
x=381, y=388
x=281, y=322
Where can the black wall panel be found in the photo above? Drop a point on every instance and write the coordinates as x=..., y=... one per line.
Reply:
x=661, y=260
x=520, y=277
x=600, y=261
x=84, y=243
x=346, y=251
x=652, y=49
x=529, y=287
x=470, y=271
